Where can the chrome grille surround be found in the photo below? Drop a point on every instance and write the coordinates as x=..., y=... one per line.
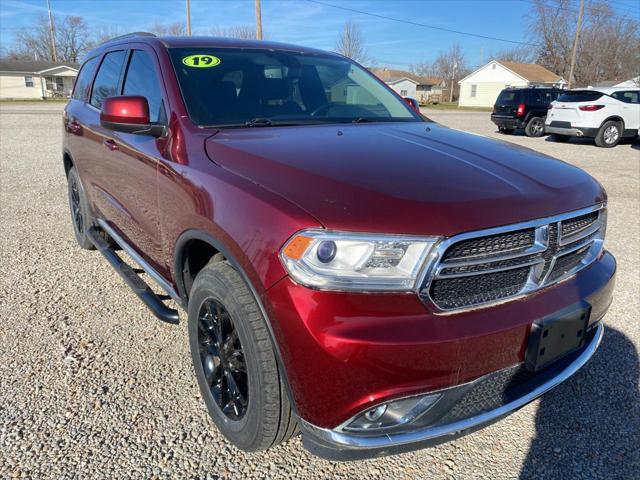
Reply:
x=583, y=244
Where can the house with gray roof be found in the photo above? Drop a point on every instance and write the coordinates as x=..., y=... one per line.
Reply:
x=32, y=79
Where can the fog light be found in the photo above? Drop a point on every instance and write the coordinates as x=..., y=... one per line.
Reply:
x=375, y=413
x=392, y=415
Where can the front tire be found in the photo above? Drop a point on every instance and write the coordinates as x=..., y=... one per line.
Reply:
x=535, y=127
x=81, y=218
x=609, y=134
x=234, y=361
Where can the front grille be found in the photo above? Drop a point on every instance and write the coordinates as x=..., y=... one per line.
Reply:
x=575, y=225
x=491, y=245
x=483, y=268
x=463, y=291
x=489, y=394
x=504, y=386
x=568, y=262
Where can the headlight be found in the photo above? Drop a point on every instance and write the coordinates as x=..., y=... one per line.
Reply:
x=349, y=261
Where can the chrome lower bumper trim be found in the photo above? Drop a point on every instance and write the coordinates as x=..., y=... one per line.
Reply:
x=343, y=446
x=573, y=132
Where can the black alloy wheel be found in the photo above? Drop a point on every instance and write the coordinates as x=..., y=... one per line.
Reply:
x=81, y=217
x=76, y=208
x=235, y=362
x=223, y=359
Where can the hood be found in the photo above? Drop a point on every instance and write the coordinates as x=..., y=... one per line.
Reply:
x=405, y=178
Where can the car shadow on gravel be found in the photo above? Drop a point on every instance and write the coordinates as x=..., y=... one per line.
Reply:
x=589, y=426
x=624, y=142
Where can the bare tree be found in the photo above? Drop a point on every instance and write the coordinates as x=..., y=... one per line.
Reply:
x=106, y=32
x=517, y=54
x=608, y=49
x=246, y=32
x=350, y=43
x=34, y=42
x=71, y=36
x=451, y=66
x=175, y=29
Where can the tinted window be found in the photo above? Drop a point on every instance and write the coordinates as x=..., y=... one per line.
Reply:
x=632, y=96
x=579, y=96
x=106, y=82
x=83, y=81
x=142, y=79
x=229, y=87
x=509, y=97
x=543, y=97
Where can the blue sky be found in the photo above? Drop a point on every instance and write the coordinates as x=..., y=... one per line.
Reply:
x=299, y=21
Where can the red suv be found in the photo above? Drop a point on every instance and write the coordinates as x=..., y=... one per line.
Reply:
x=348, y=267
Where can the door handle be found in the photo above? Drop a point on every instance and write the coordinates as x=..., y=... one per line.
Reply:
x=110, y=144
x=75, y=127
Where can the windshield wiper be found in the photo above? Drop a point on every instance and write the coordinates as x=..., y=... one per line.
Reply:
x=259, y=122
x=361, y=120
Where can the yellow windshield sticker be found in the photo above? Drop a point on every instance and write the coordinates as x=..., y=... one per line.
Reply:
x=201, y=61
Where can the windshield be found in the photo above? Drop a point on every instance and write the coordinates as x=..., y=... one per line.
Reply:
x=228, y=87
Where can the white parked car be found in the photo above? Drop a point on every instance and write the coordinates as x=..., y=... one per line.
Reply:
x=605, y=114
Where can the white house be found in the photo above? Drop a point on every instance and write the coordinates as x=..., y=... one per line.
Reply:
x=631, y=83
x=35, y=79
x=406, y=84
x=482, y=87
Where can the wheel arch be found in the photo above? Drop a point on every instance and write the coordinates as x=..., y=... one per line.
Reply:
x=67, y=161
x=217, y=247
x=615, y=118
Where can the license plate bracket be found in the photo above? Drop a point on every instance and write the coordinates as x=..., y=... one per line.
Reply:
x=557, y=335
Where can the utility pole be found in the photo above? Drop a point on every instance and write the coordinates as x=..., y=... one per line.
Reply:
x=188, y=17
x=453, y=77
x=52, y=36
x=258, y=21
x=575, y=43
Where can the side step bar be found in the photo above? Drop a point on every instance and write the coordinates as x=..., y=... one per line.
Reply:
x=133, y=280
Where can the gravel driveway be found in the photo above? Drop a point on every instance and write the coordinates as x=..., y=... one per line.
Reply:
x=92, y=386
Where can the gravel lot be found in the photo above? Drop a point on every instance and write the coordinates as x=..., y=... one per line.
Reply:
x=92, y=386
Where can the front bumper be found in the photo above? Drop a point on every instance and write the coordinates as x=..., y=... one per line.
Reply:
x=345, y=353
x=337, y=444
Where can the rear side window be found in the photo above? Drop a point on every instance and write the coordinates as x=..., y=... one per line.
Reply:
x=544, y=97
x=632, y=96
x=83, y=82
x=579, y=96
x=509, y=97
x=142, y=79
x=106, y=82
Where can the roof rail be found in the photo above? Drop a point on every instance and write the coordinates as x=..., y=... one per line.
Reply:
x=130, y=35
x=521, y=87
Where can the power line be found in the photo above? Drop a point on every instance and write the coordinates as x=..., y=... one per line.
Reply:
x=424, y=25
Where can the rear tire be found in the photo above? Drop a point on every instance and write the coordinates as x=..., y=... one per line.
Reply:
x=81, y=217
x=560, y=138
x=535, y=127
x=609, y=134
x=506, y=131
x=235, y=363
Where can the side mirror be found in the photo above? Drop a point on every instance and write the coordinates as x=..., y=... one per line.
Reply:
x=413, y=103
x=128, y=114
